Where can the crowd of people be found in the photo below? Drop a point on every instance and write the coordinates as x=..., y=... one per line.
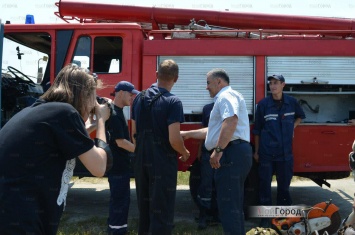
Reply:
x=34, y=178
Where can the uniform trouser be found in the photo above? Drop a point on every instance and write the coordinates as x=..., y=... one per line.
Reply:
x=119, y=203
x=156, y=178
x=206, y=195
x=284, y=173
x=235, y=163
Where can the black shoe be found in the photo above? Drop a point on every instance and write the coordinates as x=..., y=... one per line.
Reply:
x=265, y=223
x=202, y=220
x=202, y=225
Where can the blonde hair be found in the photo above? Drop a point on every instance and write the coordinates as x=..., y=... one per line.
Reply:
x=168, y=70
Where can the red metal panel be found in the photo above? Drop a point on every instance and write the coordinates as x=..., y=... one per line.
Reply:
x=86, y=10
x=322, y=148
x=235, y=47
x=192, y=145
x=149, y=71
x=259, y=85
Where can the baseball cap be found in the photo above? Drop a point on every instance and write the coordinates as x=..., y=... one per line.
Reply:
x=124, y=86
x=277, y=77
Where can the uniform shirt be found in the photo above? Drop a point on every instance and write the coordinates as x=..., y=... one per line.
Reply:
x=228, y=103
x=166, y=110
x=275, y=126
x=117, y=128
x=35, y=147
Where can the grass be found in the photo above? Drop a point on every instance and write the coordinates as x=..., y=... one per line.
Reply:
x=96, y=225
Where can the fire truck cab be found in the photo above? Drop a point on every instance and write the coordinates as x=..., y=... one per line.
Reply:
x=316, y=55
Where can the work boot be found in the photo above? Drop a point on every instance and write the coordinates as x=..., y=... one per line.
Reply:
x=202, y=220
x=265, y=223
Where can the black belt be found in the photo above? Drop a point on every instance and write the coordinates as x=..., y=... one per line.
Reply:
x=237, y=141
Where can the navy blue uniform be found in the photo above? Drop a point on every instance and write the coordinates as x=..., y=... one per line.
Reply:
x=206, y=194
x=119, y=175
x=155, y=160
x=274, y=124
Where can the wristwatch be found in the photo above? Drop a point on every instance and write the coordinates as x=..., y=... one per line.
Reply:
x=218, y=149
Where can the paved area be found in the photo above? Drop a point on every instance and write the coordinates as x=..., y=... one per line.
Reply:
x=92, y=196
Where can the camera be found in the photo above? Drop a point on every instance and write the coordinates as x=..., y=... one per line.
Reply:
x=101, y=100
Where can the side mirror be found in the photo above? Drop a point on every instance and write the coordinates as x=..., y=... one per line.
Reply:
x=40, y=69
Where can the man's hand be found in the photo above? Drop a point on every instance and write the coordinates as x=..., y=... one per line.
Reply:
x=185, y=156
x=214, y=160
x=256, y=156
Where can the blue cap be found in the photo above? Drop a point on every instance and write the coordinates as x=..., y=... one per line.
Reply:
x=125, y=86
x=277, y=77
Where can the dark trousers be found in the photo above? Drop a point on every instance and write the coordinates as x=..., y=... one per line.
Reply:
x=235, y=163
x=156, y=178
x=206, y=196
x=119, y=203
x=284, y=173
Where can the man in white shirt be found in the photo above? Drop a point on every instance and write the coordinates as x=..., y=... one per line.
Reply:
x=228, y=134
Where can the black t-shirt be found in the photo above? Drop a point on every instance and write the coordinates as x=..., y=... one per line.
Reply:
x=34, y=148
x=117, y=128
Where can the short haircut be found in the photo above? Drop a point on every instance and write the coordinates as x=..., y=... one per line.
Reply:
x=168, y=70
x=218, y=73
x=73, y=85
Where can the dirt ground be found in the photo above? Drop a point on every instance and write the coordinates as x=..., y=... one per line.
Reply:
x=90, y=197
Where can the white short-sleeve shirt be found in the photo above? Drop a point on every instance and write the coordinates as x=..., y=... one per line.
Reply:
x=228, y=103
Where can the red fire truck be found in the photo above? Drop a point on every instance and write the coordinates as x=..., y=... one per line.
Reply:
x=316, y=55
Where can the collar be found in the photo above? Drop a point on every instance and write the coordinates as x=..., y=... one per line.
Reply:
x=285, y=99
x=220, y=92
x=116, y=107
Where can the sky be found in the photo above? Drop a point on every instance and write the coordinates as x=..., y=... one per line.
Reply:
x=43, y=10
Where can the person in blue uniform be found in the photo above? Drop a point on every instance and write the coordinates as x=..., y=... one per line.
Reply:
x=228, y=137
x=38, y=150
x=276, y=118
x=206, y=195
x=156, y=118
x=122, y=149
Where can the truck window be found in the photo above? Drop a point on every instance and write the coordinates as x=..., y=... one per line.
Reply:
x=82, y=52
x=107, y=54
x=24, y=71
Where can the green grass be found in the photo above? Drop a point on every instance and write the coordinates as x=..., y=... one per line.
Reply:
x=183, y=178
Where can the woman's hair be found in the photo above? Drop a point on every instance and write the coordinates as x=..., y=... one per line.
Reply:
x=75, y=86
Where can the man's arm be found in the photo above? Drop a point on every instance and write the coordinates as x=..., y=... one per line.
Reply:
x=177, y=142
x=133, y=132
x=228, y=127
x=195, y=134
x=297, y=121
x=125, y=144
